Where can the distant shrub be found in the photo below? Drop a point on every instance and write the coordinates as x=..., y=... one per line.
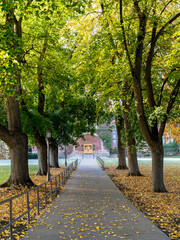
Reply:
x=114, y=150
x=170, y=149
x=32, y=155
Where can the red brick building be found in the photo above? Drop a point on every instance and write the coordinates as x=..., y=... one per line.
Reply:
x=90, y=146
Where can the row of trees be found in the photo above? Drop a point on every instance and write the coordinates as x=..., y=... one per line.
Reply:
x=38, y=90
x=128, y=51
x=67, y=64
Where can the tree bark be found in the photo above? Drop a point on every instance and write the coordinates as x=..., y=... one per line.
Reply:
x=133, y=168
x=132, y=158
x=157, y=167
x=40, y=140
x=18, y=147
x=54, y=156
x=121, y=149
x=42, y=154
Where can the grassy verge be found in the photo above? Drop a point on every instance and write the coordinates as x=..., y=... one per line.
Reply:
x=5, y=172
x=147, y=161
x=161, y=208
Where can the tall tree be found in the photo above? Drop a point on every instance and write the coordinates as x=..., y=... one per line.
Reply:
x=13, y=52
x=105, y=70
x=153, y=23
x=43, y=70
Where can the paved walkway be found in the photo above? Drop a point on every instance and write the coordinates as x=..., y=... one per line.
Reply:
x=92, y=207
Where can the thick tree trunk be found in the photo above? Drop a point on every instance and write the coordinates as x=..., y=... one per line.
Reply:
x=42, y=154
x=54, y=156
x=130, y=144
x=157, y=167
x=132, y=158
x=19, y=161
x=121, y=149
x=18, y=145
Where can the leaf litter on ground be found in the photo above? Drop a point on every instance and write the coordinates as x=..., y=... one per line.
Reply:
x=163, y=209
x=20, y=204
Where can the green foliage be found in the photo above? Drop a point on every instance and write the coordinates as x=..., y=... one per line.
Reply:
x=76, y=117
x=114, y=151
x=105, y=135
x=170, y=149
x=76, y=6
x=33, y=122
x=32, y=155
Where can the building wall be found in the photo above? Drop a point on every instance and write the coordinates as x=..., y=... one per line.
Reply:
x=88, y=138
x=100, y=150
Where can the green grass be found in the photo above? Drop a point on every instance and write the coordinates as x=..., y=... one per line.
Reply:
x=5, y=172
x=144, y=161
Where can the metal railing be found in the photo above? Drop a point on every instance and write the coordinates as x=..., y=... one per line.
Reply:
x=55, y=182
x=101, y=162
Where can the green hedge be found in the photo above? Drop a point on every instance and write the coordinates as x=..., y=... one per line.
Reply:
x=170, y=149
x=114, y=150
x=32, y=155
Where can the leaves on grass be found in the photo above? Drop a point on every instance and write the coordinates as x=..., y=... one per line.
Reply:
x=162, y=208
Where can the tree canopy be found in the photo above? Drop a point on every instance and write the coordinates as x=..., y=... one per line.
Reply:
x=63, y=63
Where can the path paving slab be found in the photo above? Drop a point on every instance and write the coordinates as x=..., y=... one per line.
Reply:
x=92, y=207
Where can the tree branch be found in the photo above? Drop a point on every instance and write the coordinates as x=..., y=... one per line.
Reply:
x=124, y=37
x=148, y=82
x=166, y=6
x=173, y=96
x=28, y=3
x=162, y=88
x=138, y=10
x=165, y=25
x=5, y=134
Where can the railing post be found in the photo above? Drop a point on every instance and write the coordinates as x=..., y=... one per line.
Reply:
x=51, y=190
x=37, y=200
x=63, y=177
x=28, y=208
x=56, y=185
x=45, y=195
x=59, y=180
x=10, y=213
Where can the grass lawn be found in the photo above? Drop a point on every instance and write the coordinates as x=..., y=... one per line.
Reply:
x=5, y=172
x=147, y=161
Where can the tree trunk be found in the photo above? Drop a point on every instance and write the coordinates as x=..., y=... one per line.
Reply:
x=121, y=149
x=42, y=154
x=15, y=138
x=54, y=156
x=130, y=144
x=132, y=158
x=18, y=145
x=157, y=167
x=19, y=161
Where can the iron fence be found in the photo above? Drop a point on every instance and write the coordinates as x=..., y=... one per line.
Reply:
x=55, y=182
x=101, y=162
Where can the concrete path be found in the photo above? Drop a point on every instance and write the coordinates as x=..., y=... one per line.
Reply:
x=92, y=207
